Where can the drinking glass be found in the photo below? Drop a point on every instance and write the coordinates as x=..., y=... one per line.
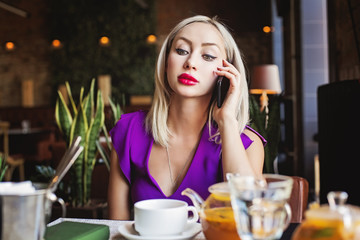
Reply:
x=260, y=206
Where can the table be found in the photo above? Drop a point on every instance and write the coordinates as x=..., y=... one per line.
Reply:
x=113, y=226
x=22, y=131
x=115, y=235
x=24, y=141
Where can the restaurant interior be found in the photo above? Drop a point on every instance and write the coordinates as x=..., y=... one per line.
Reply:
x=313, y=44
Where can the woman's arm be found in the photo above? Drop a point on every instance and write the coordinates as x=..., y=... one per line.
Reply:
x=235, y=159
x=118, y=191
x=255, y=152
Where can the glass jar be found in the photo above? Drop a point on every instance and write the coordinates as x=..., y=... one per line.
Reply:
x=216, y=214
x=336, y=221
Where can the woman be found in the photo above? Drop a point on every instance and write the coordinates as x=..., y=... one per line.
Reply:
x=185, y=140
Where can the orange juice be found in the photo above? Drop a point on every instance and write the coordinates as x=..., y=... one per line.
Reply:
x=324, y=229
x=219, y=223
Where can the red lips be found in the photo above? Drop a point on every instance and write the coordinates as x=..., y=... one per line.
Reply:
x=187, y=79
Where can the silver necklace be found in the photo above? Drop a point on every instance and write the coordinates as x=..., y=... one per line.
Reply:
x=182, y=170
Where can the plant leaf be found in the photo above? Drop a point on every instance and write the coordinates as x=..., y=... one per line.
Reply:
x=116, y=110
x=89, y=102
x=71, y=97
x=104, y=154
x=92, y=136
x=273, y=128
x=87, y=108
x=106, y=134
x=2, y=173
x=63, y=116
x=81, y=96
x=119, y=112
x=257, y=117
x=3, y=166
x=80, y=128
x=113, y=108
x=258, y=123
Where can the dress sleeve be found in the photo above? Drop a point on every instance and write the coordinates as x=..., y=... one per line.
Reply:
x=121, y=140
x=248, y=141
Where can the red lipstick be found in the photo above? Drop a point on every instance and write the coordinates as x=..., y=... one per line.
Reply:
x=187, y=79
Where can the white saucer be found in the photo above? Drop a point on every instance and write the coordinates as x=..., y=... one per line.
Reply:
x=129, y=233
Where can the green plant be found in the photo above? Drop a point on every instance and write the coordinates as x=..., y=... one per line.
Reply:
x=82, y=121
x=3, y=166
x=116, y=114
x=271, y=133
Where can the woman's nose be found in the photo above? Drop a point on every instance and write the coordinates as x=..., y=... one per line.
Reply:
x=190, y=64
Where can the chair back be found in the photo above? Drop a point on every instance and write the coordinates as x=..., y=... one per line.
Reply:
x=12, y=161
x=338, y=138
x=4, y=133
x=299, y=199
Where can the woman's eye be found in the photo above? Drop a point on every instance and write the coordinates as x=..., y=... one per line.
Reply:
x=181, y=51
x=208, y=57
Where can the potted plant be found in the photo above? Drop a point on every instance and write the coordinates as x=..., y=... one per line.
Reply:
x=85, y=121
x=106, y=150
x=270, y=130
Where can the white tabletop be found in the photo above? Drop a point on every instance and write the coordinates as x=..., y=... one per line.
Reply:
x=113, y=226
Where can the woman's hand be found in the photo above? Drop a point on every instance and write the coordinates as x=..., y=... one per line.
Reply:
x=235, y=158
x=230, y=106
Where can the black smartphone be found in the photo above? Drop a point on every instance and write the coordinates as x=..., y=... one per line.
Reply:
x=222, y=87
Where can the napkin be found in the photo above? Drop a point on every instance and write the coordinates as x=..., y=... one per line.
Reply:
x=16, y=188
x=77, y=230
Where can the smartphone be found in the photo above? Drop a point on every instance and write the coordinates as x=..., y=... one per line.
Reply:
x=222, y=87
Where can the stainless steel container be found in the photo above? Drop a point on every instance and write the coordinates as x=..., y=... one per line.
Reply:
x=24, y=216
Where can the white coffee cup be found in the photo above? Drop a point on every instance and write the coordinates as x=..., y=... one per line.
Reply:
x=161, y=217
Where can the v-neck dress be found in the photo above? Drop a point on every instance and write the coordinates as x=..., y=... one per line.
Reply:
x=133, y=146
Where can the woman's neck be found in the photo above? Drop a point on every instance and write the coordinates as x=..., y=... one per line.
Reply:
x=187, y=116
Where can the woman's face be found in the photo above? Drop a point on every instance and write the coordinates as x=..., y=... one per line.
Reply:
x=196, y=52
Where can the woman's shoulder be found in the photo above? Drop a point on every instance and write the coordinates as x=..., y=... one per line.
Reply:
x=249, y=136
x=132, y=116
x=254, y=135
x=130, y=120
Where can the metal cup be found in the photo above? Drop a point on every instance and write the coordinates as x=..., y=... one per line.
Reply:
x=25, y=216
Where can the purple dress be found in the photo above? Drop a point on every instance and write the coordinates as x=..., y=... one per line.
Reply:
x=133, y=146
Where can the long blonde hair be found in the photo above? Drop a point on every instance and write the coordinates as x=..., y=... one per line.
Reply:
x=156, y=119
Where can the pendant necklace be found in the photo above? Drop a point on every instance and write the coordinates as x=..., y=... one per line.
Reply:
x=182, y=170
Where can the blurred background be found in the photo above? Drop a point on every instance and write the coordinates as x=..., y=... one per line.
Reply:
x=45, y=43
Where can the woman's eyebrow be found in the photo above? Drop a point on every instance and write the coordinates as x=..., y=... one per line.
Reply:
x=210, y=44
x=203, y=44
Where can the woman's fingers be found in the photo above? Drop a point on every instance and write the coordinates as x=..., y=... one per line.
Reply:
x=229, y=70
x=233, y=95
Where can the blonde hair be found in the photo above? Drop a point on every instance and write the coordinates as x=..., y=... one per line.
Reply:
x=156, y=119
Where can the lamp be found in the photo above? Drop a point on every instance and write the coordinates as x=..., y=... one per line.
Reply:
x=265, y=80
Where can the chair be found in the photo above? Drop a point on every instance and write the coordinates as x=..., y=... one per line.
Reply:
x=338, y=138
x=12, y=161
x=299, y=198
